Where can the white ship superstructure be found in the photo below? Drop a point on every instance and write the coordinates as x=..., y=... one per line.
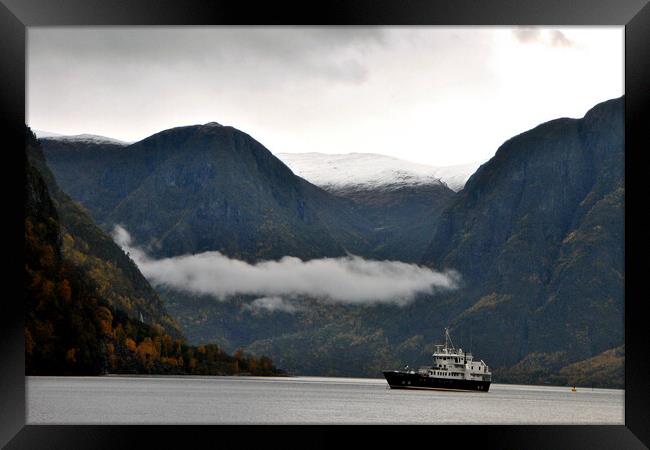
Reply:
x=454, y=363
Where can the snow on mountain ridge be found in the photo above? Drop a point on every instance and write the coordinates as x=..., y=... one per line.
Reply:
x=371, y=170
x=90, y=138
x=40, y=134
x=338, y=171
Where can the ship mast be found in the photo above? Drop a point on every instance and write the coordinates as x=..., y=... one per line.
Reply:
x=448, y=339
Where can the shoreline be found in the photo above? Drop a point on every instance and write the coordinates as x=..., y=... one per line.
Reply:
x=313, y=378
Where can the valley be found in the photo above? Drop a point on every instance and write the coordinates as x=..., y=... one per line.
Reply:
x=536, y=234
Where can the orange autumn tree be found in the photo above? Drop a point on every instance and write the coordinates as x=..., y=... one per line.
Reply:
x=147, y=353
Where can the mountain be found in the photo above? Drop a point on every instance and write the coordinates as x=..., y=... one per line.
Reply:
x=114, y=275
x=80, y=161
x=40, y=134
x=211, y=187
x=231, y=194
x=84, y=297
x=537, y=233
x=368, y=171
x=52, y=344
x=402, y=217
x=214, y=188
x=79, y=138
x=88, y=310
x=401, y=199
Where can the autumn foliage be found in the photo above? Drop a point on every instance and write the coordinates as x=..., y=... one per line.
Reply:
x=72, y=326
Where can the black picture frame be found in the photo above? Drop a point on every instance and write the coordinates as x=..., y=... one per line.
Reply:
x=16, y=15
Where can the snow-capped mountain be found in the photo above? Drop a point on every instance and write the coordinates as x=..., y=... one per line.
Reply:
x=82, y=138
x=371, y=171
x=40, y=134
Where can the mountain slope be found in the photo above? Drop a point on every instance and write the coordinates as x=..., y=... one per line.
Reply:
x=537, y=233
x=214, y=188
x=72, y=325
x=218, y=189
x=79, y=138
x=402, y=216
x=76, y=164
x=75, y=323
x=113, y=274
x=402, y=200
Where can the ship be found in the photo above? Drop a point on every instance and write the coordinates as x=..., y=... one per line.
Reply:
x=453, y=369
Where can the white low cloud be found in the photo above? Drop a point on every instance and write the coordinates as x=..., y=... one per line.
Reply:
x=271, y=304
x=350, y=279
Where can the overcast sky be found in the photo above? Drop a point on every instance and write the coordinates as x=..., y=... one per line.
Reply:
x=435, y=95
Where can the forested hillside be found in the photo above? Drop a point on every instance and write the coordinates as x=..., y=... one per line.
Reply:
x=83, y=296
x=538, y=234
x=213, y=188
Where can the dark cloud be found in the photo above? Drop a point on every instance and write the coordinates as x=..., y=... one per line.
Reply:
x=328, y=52
x=407, y=92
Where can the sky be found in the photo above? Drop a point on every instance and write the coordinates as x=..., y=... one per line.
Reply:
x=432, y=95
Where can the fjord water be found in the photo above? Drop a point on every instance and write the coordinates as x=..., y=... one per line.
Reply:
x=296, y=400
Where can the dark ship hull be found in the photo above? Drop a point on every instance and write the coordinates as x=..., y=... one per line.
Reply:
x=407, y=380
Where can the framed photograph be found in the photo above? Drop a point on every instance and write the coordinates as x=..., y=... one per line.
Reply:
x=357, y=213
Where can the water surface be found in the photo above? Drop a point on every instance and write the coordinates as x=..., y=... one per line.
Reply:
x=295, y=400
